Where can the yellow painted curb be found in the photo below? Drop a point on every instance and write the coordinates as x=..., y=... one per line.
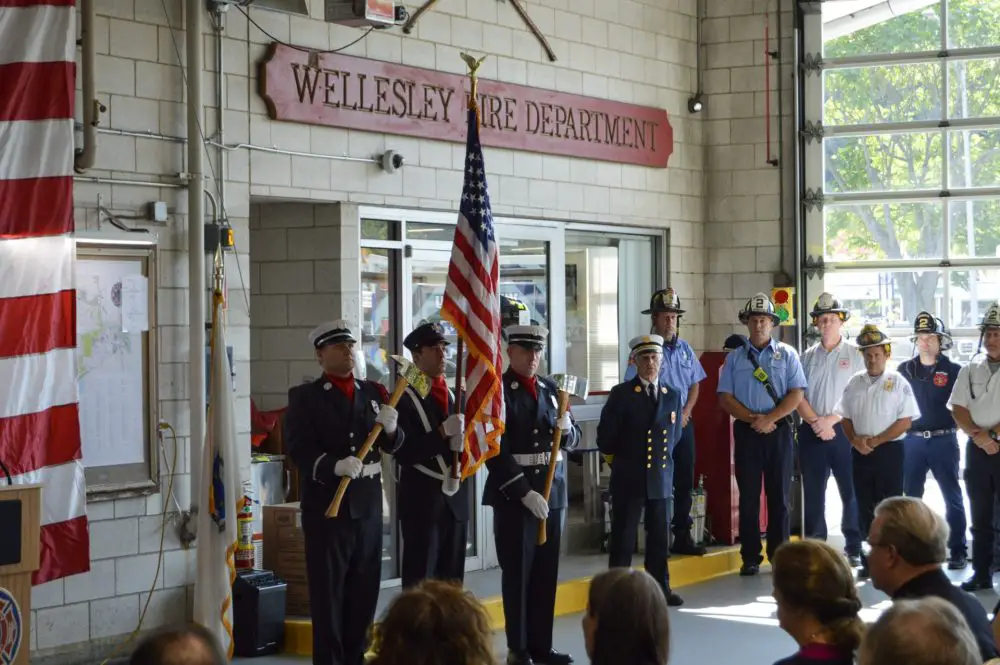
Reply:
x=571, y=595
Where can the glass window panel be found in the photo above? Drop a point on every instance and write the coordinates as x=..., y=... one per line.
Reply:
x=424, y=231
x=884, y=162
x=884, y=231
x=975, y=157
x=863, y=27
x=882, y=93
x=974, y=88
x=975, y=228
x=379, y=272
x=428, y=269
x=592, y=317
x=379, y=229
x=973, y=23
x=524, y=276
x=971, y=293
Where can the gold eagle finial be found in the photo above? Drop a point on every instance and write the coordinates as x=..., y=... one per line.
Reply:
x=472, y=62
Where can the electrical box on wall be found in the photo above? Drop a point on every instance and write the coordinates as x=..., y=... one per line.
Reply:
x=360, y=13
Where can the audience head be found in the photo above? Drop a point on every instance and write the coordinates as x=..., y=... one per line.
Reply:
x=626, y=619
x=190, y=645
x=927, y=631
x=907, y=538
x=435, y=623
x=815, y=591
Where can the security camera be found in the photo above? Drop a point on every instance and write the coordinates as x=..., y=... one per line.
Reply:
x=391, y=161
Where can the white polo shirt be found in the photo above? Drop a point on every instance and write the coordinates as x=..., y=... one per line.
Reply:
x=983, y=400
x=872, y=405
x=828, y=373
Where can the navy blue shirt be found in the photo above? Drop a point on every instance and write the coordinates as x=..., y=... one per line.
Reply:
x=932, y=389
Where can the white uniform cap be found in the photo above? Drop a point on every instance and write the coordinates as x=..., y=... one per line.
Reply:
x=332, y=332
x=530, y=336
x=646, y=344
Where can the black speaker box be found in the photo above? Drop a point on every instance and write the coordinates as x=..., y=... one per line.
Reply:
x=258, y=613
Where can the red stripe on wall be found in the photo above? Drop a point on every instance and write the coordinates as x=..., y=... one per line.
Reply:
x=36, y=324
x=36, y=207
x=48, y=438
x=36, y=90
x=65, y=550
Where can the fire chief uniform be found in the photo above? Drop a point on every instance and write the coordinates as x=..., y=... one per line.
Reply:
x=529, y=571
x=977, y=389
x=433, y=520
x=640, y=425
x=326, y=423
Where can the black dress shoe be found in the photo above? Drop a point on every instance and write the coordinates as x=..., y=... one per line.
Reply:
x=863, y=573
x=519, y=658
x=977, y=584
x=687, y=547
x=749, y=570
x=957, y=562
x=553, y=657
x=673, y=600
x=853, y=560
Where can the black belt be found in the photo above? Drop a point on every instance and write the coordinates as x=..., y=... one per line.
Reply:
x=930, y=434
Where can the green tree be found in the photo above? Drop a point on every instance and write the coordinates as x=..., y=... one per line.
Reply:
x=914, y=161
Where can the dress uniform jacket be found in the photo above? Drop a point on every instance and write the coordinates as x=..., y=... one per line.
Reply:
x=343, y=554
x=641, y=437
x=317, y=438
x=529, y=572
x=434, y=525
x=523, y=462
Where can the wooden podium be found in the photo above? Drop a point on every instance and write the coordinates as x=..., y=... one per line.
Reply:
x=20, y=525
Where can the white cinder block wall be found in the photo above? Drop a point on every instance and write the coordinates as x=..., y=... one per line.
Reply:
x=634, y=51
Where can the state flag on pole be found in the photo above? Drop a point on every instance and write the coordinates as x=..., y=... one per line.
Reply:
x=220, y=497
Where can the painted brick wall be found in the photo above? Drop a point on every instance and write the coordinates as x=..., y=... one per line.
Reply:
x=744, y=232
x=630, y=50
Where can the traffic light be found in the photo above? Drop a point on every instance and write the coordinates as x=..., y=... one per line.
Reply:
x=783, y=299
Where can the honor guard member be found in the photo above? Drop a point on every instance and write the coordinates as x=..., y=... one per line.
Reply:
x=433, y=508
x=760, y=386
x=828, y=365
x=975, y=403
x=515, y=488
x=682, y=371
x=640, y=425
x=932, y=442
x=326, y=424
x=878, y=408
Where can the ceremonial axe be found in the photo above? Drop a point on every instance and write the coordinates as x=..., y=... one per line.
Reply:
x=568, y=386
x=409, y=375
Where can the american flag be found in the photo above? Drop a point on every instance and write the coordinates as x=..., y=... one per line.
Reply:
x=472, y=305
x=39, y=422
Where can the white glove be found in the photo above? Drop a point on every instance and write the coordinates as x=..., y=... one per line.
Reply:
x=565, y=423
x=349, y=466
x=454, y=424
x=387, y=417
x=536, y=504
x=456, y=442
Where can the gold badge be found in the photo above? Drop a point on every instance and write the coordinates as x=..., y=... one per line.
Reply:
x=673, y=417
x=638, y=389
x=888, y=385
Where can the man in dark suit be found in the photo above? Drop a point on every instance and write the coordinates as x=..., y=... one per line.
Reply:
x=640, y=425
x=326, y=423
x=516, y=490
x=433, y=508
x=909, y=544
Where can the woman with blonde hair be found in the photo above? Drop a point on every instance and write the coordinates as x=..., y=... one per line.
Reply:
x=434, y=623
x=626, y=619
x=818, y=603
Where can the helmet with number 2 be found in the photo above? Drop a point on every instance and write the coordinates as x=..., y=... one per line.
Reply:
x=759, y=304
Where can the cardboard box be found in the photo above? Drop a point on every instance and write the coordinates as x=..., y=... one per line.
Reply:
x=285, y=553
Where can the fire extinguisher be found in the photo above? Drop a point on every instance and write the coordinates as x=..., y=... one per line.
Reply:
x=244, y=532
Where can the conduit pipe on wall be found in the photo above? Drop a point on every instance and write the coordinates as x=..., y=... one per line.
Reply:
x=86, y=156
x=194, y=19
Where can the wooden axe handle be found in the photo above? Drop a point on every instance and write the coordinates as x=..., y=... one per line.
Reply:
x=408, y=27
x=334, y=508
x=534, y=29
x=553, y=461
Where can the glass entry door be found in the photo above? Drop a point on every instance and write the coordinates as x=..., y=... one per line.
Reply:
x=528, y=258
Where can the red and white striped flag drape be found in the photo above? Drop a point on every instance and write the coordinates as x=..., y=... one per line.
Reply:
x=39, y=421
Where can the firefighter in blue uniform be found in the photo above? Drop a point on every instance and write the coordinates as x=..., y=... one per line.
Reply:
x=515, y=488
x=760, y=386
x=932, y=442
x=433, y=508
x=326, y=423
x=823, y=448
x=639, y=427
x=682, y=371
